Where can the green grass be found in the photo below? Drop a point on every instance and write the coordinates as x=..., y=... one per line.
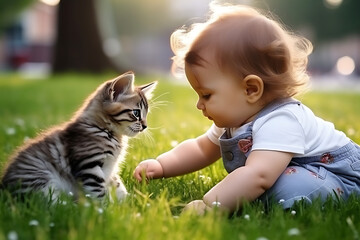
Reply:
x=153, y=211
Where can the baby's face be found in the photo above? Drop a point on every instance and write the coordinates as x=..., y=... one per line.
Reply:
x=222, y=98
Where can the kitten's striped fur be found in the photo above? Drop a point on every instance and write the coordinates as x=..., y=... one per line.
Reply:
x=84, y=153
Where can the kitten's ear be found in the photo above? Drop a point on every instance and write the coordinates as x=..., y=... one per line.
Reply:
x=148, y=89
x=122, y=84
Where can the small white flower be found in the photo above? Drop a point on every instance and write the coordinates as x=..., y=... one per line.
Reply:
x=12, y=235
x=51, y=224
x=293, y=212
x=87, y=195
x=10, y=131
x=20, y=122
x=247, y=217
x=204, y=179
x=351, y=132
x=281, y=201
x=138, y=215
x=293, y=232
x=71, y=194
x=262, y=238
x=87, y=204
x=34, y=223
x=207, y=180
x=174, y=143
x=100, y=210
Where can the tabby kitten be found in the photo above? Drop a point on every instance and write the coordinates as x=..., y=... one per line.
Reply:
x=83, y=155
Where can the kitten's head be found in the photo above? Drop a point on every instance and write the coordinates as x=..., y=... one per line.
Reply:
x=124, y=107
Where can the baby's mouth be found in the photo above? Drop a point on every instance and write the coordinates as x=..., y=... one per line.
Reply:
x=208, y=117
x=205, y=115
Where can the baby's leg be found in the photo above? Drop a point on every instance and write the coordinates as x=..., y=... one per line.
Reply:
x=297, y=183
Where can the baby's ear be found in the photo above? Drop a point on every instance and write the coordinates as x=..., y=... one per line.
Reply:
x=254, y=87
x=148, y=89
x=120, y=85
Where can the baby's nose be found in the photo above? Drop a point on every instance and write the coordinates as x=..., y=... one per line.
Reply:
x=200, y=105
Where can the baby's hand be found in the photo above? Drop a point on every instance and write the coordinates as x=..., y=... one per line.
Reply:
x=150, y=168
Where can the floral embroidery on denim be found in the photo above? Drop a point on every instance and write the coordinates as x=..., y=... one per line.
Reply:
x=290, y=170
x=245, y=144
x=327, y=158
x=314, y=174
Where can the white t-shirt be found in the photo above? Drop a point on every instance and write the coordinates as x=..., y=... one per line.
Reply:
x=291, y=128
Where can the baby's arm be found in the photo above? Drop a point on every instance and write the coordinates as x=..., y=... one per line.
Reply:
x=188, y=156
x=247, y=183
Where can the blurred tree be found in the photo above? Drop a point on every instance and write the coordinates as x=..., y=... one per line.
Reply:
x=141, y=17
x=9, y=11
x=326, y=21
x=136, y=33
x=79, y=45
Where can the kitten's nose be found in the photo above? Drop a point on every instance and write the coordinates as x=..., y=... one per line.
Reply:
x=143, y=124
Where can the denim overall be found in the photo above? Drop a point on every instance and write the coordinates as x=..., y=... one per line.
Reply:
x=306, y=178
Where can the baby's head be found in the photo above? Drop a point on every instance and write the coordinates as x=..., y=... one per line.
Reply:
x=243, y=42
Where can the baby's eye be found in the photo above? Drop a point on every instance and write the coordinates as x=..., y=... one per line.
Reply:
x=206, y=96
x=136, y=113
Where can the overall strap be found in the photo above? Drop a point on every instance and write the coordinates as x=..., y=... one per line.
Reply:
x=235, y=149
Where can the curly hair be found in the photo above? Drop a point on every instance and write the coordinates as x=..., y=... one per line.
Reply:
x=245, y=41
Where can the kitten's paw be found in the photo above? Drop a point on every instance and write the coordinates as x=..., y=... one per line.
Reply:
x=121, y=192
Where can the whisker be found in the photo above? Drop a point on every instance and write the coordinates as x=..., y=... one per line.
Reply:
x=149, y=137
x=154, y=128
x=145, y=136
x=155, y=103
x=159, y=96
x=159, y=103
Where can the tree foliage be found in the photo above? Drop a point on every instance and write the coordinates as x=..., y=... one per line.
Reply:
x=139, y=17
x=326, y=22
x=9, y=10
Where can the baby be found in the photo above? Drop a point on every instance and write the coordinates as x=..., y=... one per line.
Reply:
x=246, y=69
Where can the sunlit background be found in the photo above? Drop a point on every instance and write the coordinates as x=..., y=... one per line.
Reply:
x=47, y=36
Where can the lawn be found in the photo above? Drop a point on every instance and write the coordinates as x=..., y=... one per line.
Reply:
x=153, y=211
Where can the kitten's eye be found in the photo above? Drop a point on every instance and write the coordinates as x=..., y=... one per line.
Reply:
x=136, y=113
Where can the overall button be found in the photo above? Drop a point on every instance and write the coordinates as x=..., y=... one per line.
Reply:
x=229, y=156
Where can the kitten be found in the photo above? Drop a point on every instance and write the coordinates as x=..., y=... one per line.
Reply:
x=83, y=155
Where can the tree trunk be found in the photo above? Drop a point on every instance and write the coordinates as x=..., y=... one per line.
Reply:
x=78, y=44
